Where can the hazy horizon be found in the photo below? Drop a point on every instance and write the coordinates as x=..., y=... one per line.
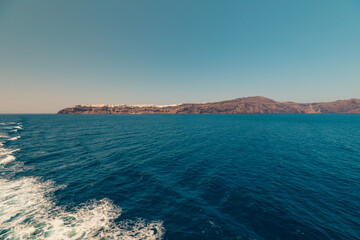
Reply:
x=57, y=54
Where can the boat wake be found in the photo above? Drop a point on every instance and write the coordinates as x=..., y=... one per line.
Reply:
x=28, y=210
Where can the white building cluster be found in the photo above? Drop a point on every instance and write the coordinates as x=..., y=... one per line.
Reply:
x=125, y=105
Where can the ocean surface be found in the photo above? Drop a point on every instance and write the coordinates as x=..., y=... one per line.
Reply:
x=180, y=177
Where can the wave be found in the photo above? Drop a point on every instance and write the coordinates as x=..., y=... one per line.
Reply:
x=8, y=123
x=7, y=159
x=28, y=211
x=14, y=138
x=4, y=151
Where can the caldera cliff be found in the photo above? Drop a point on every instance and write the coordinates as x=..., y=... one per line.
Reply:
x=246, y=105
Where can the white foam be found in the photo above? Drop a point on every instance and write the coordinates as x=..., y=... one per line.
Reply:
x=3, y=136
x=12, y=128
x=8, y=123
x=14, y=138
x=4, y=151
x=27, y=211
x=7, y=159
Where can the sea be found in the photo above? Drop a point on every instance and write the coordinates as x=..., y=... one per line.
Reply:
x=278, y=177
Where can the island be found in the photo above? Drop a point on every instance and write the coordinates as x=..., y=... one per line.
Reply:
x=246, y=105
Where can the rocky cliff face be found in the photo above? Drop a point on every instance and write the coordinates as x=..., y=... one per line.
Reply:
x=248, y=105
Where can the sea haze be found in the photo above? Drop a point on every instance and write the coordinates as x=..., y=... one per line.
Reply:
x=180, y=176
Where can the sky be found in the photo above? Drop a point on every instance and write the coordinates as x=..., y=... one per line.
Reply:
x=56, y=54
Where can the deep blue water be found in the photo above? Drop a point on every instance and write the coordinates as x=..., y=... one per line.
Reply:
x=180, y=176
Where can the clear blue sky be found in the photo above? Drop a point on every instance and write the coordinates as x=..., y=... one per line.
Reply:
x=55, y=54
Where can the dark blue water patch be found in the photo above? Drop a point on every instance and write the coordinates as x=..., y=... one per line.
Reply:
x=204, y=176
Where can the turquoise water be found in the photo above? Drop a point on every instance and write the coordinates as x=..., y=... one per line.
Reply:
x=180, y=176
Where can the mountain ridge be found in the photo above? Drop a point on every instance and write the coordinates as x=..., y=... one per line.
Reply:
x=245, y=105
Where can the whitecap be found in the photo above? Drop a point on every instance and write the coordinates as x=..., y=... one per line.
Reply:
x=14, y=138
x=3, y=136
x=28, y=211
x=7, y=159
x=8, y=123
x=4, y=151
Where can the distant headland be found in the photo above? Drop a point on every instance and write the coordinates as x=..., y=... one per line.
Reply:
x=246, y=105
